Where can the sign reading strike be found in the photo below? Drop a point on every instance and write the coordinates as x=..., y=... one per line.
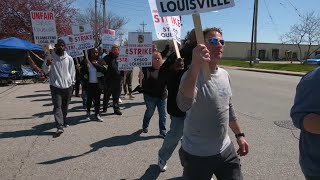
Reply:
x=166, y=27
x=123, y=60
x=83, y=37
x=108, y=38
x=71, y=47
x=140, y=49
x=44, y=27
x=184, y=7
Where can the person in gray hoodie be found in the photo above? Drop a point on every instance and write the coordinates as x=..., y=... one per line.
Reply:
x=61, y=71
x=206, y=147
x=305, y=114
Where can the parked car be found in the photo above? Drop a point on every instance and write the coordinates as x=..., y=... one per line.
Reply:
x=313, y=61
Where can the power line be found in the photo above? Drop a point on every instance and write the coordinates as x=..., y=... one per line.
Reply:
x=274, y=24
x=297, y=11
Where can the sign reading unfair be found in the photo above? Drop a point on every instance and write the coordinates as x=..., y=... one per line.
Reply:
x=108, y=38
x=44, y=27
x=71, y=47
x=166, y=27
x=140, y=49
x=184, y=7
x=83, y=37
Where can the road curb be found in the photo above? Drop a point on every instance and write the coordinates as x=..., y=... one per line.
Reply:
x=266, y=71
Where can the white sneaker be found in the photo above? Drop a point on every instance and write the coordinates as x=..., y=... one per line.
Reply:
x=98, y=118
x=120, y=101
x=162, y=165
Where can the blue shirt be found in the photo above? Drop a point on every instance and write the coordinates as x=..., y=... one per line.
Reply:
x=307, y=101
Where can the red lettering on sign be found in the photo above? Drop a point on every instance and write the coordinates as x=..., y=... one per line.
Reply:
x=42, y=15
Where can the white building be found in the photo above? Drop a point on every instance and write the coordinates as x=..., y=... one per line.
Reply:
x=267, y=51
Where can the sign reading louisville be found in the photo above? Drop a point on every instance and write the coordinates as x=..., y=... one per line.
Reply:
x=83, y=36
x=168, y=27
x=44, y=27
x=140, y=49
x=184, y=7
x=71, y=47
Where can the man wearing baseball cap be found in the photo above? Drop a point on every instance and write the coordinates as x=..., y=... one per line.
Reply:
x=61, y=71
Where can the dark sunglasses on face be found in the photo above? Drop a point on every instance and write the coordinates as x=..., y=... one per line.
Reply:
x=215, y=41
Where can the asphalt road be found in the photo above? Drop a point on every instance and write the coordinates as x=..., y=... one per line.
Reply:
x=116, y=150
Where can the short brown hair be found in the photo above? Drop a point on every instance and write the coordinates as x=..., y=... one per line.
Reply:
x=115, y=46
x=208, y=30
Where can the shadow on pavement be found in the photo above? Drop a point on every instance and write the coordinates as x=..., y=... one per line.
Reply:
x=110, y=142
x=34, y=95
x=127, y=105
x=43, y=90
x=176, y=178
x=152, y=172
x=42, y=129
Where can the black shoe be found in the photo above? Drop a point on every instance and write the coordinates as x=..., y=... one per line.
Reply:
x=145, y=130
x=66, y=125
x=162, y=135
x=117, y=112
x=104, y=110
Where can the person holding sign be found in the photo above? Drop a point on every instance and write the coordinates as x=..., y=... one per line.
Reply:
x=206, y=147
x=171, y=72
x=93, y=74
x=61, y=72
x=154, y=94
x=113, y=80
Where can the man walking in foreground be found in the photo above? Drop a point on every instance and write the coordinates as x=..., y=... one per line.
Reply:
x=61, y=72
x=305, y=115
x=206, y=146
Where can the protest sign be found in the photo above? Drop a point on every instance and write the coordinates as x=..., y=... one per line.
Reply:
x=108, y=38
x=194, y=7
x=166, y=27
x=44, y=27
x=185, y=7
x=123, y=60
x=71, y=47
x=140, y=49
x=83, y=36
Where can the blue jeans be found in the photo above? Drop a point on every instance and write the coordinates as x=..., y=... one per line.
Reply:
x=151, y=104
x=172, y=139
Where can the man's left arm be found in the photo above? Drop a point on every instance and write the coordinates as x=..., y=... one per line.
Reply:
x=235, y=127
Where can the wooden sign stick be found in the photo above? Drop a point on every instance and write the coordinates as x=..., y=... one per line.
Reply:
x=176, y=48
x=200, y=40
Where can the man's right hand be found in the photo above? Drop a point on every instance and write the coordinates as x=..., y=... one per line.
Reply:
x=49, y=62
x=140, y=76
x=200, y=54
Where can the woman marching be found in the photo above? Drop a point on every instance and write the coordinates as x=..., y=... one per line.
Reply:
x=93, y=71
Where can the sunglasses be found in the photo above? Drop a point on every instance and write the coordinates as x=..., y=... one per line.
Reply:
x=215, y=41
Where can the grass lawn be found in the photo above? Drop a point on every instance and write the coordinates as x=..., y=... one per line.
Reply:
x=271, y=66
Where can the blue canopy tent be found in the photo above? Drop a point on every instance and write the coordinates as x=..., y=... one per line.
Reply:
x=14, y=51
x=16, y=43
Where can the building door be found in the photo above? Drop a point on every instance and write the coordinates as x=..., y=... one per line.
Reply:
x=262, y=54
x=275, y=54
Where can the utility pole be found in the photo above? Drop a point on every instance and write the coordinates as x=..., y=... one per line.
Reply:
x=255, y=32
x=96, y=20
x=253, y=50
x=120, y=37
x=143, y=24
x=104, y=13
